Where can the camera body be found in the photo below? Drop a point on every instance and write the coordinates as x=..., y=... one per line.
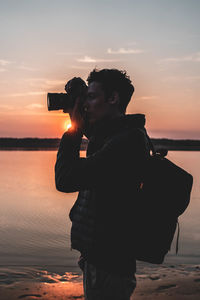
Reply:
x=76, y=87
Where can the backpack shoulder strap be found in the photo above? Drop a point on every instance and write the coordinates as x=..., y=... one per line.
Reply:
x=151, y=146
x=162, y=152
x=177, y=239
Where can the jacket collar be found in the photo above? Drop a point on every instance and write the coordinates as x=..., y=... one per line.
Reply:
x=124, y=122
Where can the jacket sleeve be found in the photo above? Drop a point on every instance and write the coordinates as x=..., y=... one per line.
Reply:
x=73, y=173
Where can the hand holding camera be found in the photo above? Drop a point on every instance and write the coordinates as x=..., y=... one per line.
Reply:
x=70, y=102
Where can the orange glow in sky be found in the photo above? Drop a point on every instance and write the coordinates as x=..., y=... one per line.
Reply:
x=163, y=61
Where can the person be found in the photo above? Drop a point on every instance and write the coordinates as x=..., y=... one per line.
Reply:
x=107, y=179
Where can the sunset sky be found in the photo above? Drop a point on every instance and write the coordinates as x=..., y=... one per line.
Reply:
x=44, y=43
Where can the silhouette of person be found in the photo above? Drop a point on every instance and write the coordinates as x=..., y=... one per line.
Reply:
x=107, y=180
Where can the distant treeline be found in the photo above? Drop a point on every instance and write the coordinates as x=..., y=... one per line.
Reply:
x=32, y=144
x=53, y=144
x=172, y=144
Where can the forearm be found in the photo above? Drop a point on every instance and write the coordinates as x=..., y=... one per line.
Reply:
x=110, y=161
x=67, y=155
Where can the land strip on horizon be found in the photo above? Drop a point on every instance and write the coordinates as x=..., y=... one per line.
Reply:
x=53, y=144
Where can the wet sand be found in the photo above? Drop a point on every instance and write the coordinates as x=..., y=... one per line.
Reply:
x=173, y=282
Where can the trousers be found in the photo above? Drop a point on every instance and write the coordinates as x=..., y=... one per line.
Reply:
x=102, y=285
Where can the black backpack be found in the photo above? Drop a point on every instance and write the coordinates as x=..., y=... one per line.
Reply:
x=163, y=196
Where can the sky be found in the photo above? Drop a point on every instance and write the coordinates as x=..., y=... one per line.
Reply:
x=44, y=43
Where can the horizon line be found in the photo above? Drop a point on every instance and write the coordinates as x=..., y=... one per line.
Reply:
x=42, y=138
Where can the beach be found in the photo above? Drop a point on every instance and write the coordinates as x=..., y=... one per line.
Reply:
x=174, y=282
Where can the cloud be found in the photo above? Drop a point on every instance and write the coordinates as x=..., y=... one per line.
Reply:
x=181, y=78
x=54, y=82
x=132, y=43
x=26, y=68
x=68, y=53
x=22, y=66
x=44, y=83
x=125, y=51
x=35, y=93
x=4, y=62
x=34, y=106
x=177, y=59
x=195, y=57
x=26, y=94
x=88, y=59
x=6, y=107
x=79, y=67
x=148, y=97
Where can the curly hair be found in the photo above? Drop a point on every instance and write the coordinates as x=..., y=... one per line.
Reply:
x=114, y=80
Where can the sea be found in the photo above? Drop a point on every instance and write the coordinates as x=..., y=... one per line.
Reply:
x=34, y=216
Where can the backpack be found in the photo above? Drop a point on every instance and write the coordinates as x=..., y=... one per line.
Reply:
x=163, y=195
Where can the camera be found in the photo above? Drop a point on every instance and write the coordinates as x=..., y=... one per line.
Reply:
x=76, y=87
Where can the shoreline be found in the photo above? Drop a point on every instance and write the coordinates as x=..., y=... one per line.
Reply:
x=47, y=144
x=175, y=282
x=56, y=149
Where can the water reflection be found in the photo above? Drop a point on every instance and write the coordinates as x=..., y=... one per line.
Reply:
x=34, y=223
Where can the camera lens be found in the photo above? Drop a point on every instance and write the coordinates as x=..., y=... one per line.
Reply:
x=56, y=101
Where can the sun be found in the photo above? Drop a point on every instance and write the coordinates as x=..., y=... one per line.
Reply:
x=67, y=125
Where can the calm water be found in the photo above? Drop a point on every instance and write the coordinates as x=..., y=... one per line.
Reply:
x=34, y=223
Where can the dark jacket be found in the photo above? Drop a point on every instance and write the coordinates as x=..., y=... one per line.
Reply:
x=107, y=180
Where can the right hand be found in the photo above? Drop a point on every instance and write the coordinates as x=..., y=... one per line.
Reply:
x=76, y=116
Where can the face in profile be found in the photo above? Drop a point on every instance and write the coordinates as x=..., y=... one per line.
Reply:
x=96, y=106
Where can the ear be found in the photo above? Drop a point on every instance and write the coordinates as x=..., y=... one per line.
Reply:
x=114, y=98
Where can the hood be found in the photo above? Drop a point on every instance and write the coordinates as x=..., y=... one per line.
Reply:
x=134, y=121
